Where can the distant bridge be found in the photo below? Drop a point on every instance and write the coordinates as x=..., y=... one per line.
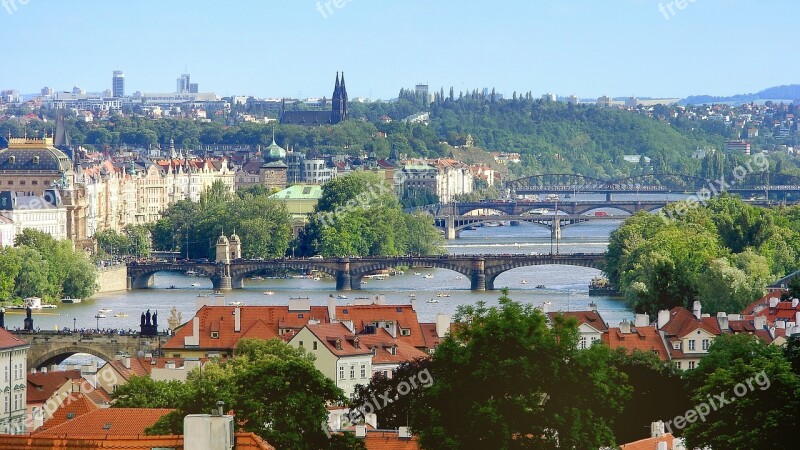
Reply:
x=53, y=347
x=481, y=270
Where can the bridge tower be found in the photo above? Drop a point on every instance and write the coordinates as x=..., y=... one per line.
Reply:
x=222, y=279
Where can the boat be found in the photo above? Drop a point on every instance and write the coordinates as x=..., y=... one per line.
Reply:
x=540, y=286
x=269, y=293
x=105, y=310
x=412, y=295
x=523, y=281
x=417, y=273
x=120, y=314
x=379, y=277
x=99, y=316
x=70, y=300
x=172, y=286
x=236, y=304
x=459, y=277
x=191, y=273
x=428, y=275
x=540, y=211
x=492, y=224
x=34, y=303
x=341, y=296
x=317, y=278
x=433, y=300
x=601, y=287
x=257, y=278
x=194, y=284
x=217, y=294
x=442, y=294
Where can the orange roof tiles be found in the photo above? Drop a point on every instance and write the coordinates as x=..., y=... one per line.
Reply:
x=389, y=440
x=108, y=421
x=8, y=340
x=382, y=341
x=591, y=318
x=73, y=406
x=403, y=315
x=646, y=339
x=339, y=340
x=649, y=443
x=42, y=385
x=683, y=322
x=81, y=442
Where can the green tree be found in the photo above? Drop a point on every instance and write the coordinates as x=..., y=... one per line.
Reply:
x=506, y=380
x=144, y=392
x=761, y=396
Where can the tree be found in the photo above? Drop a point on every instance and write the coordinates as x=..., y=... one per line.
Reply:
x=505, y=380
x=749, y=395
x=144, y=392
x=398, y=412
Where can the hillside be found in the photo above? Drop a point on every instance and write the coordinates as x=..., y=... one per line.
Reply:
x=785, y=92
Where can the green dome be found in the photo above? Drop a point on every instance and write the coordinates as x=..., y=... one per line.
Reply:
x=274, y=152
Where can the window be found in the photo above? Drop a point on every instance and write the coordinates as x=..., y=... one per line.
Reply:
x=676, y=345
x=363, y=371
x=301, y=344
x=678, y=365
x=582, y=342
x=341, y=372
x=706, y=344
x=405, y=331
x=691, y=344
x=314, y=345
x=352, y=372
x=691, y=365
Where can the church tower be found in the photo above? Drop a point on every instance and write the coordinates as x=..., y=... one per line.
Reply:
x=339, y=101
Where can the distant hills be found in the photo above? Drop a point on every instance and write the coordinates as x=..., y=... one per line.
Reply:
x=787, y=92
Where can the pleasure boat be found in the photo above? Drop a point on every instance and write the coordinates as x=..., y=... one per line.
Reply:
x=269, y=293
x=120, y=314
x=459, y=277
x=70, y=300
x=428, y=275
x=341, y=296
x=416, y=273
x=433, y=300
x=523, y=281
x=99, y=316
x=236, y=304
x=105, y=310
x=442, y=294
x=194, y=284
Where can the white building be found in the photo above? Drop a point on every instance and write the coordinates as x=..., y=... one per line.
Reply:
x=7, y=233
x=316, y=171
x=34, y=212
x=13, y=359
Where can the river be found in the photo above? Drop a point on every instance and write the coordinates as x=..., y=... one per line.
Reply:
x=566, y=287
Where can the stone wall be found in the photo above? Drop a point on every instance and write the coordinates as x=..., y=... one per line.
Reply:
x=112, y=279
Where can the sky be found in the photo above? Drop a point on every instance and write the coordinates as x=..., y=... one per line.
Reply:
x=293, y=48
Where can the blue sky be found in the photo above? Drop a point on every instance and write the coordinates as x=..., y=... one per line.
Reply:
x=271, y=48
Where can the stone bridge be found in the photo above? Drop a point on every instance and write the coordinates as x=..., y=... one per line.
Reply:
x=481, y=270
x=53, y=347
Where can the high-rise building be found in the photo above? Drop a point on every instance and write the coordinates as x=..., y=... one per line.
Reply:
x=118, y=84
x=193, y=89
x=183, y=84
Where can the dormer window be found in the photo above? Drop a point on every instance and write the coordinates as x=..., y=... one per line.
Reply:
x=215, y=335
x=405, y=331
x=36, y=159
x=12, y=159
x=676, y=345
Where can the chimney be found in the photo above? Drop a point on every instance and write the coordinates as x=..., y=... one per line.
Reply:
x=126, y=361
x=722, y=320
x=656, y=429
x=662, y=445
x=797, y=317
x=697, y=309
x=391, y=327
x=759, y=322
x=625, y=327
x=795, y=302
x=641, y=320
x=413, y=304
x=779, y=324
x=734, y=317
x=663, y=318
x=237, y=320
x=194, y=339
x=361, y=431
x=331, y=308
x=773, y=302
x=443, y=325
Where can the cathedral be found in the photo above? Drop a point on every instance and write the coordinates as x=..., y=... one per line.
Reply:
x=338, y=112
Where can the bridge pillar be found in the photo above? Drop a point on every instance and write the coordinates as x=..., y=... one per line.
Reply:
x=237, y=282
x=478, y=277
x=142, y=281
x=555, y=229
x=343, y=279
x=609, y=197
x=222, y=280
x=450, y=228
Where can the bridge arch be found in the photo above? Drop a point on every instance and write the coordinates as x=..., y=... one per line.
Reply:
x=59, y=354
x=495, y=270
x=357, y=273
x=240, y=271
x=142, y=276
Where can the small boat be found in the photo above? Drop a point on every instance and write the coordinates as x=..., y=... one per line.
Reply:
x=341, y=296
x=120, y=314
x=70, y=300
x=172, y=286
x=191, y=273
x=236, y=304
x=269, y=293
x=203, y=295
x=442, y=294
x=194, y=284
x=523, y=281
x=428, y=275
x=416, y=273
x=105, y=310
x=433, y=300
x=459, y=277
x=257, y=278
x=412, y=295
x=99, y=316
x=540, y=286
x=218, y=294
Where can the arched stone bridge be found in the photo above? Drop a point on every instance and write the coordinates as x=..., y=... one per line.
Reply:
x=53, y=347
x=481, y=270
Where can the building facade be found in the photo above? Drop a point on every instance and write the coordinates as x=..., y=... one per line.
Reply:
x=13, y=359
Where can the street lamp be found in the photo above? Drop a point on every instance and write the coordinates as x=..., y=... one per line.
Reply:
x=98, y=317
x=74, y=324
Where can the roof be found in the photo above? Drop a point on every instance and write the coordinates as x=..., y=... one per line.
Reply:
x=42, y=385
x=108, y=422
x=649, y=443
x=682, y=322
x=141, y=367
x=403, y=315
x=783, y=282
x=75, y=405
x=389, y=440
x=33, y=155
x=382, y=341
x=244, y=441
x=591, y=318
x=646, y=339
x=8, y=340
x=299, y=191
x=338, y=339
x=259, y=322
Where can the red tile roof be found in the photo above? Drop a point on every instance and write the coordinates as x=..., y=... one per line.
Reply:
x=263, y=322
x=244, y=441
x=649, y=443
x=338, y=339
x=403, y=315
x=8, y=340
x=108, y=421
x=389, y=440
x=73, y=406
x=42, y=385
x=683, y=322
x=646, y=339
x=591, y=318
x=382, y=341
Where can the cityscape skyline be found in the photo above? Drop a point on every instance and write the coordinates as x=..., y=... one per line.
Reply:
x=296, y=45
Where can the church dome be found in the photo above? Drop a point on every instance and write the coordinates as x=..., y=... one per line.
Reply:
x=274, y=152
x=33, y=154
